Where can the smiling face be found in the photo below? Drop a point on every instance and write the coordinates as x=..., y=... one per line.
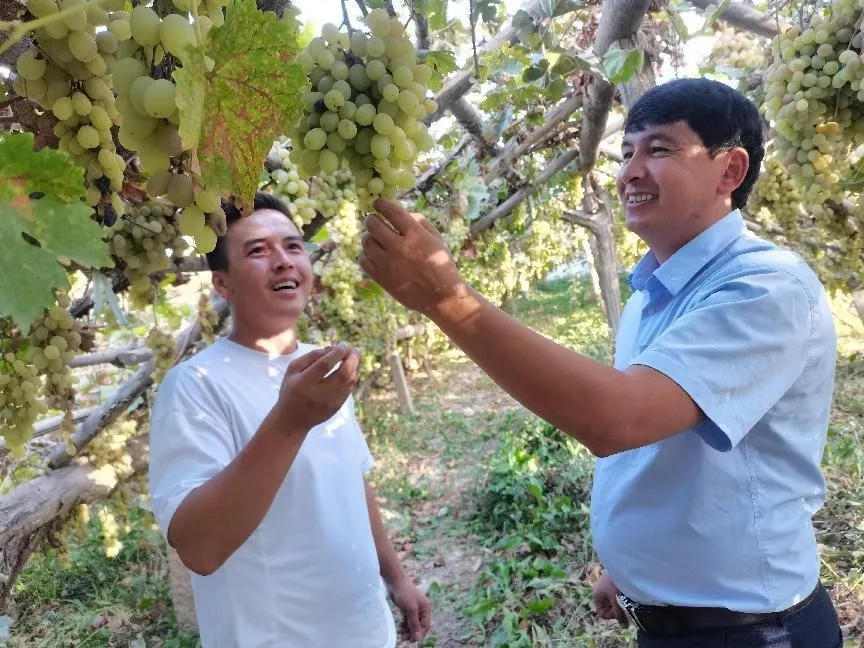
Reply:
x=269, y=275
x=671, y=187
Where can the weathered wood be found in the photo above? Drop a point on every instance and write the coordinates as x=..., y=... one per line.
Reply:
x=126, y=356
x=744, y=17
x=400, y=383
x=27, y=512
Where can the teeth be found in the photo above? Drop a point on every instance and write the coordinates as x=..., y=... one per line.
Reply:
x=285, y=284
x=635, y=199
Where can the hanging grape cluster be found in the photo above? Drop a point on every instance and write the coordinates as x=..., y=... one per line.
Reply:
x=735, y=50
x=141, y=242
x=365, y=108
x=35, y=374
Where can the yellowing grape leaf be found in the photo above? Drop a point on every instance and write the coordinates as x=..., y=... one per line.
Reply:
x=41, y=197
x=237, y=93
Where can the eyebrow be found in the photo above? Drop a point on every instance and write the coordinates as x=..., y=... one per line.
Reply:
x=652, y=137
x=256, y=241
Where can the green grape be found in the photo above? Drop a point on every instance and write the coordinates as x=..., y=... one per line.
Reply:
x=380, y=146
x=158, y=183
x=83, y=46
x=335, y=143
x=160, y=98
x=315, y=139
x=205, y=240
x=82, y=104
x=137, y=93
x=42, y=8
x=365, y=114
x=329, y=121
x=180, y=191
x=176, y=34
x=125, y=72
x=63, y=108
x=144, y=25
x=347, y=129
x=208, y=201
x=30, y=66
x=328, y=161
x=88, y=137
x=334, y=100
x=191, y=221
x=122, y=29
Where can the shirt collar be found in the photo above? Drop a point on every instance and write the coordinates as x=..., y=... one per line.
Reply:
x=682, y=266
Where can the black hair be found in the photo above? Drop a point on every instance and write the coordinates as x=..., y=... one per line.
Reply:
x=217, y=259
x=722, y=117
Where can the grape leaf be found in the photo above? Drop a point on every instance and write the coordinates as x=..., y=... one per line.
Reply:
x=622, y=65
x=40, y=197
x=238, y=92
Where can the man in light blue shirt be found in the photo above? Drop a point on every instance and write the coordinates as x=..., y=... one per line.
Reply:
x=711, y=426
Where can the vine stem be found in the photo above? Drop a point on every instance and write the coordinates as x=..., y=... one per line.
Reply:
x=20, y=30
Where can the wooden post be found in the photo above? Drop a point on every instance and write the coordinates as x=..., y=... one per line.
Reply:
x=402, y=389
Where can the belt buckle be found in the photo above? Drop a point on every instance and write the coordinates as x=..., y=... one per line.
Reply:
x=630, y=608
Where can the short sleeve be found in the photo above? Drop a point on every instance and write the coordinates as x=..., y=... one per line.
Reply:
x=365, y=455
x=737, y=351
x=189, y=441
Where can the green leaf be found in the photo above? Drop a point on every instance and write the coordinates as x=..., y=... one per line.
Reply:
x=566, y=6
x=540, y=606
x=232, y=110
x=622, y=65
x=442, y=63
x=532, y=73
x=436, y=14
x=678, y=24
x=714, y=16
x=58, y=221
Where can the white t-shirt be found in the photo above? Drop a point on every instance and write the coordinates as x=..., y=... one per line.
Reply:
x=308, y=576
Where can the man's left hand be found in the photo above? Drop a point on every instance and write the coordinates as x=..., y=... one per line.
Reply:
x=415, y=608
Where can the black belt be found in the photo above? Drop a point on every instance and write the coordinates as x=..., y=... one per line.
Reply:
x=673, y=620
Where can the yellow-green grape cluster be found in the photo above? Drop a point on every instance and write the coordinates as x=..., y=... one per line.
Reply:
x=293, y=190
x=110, y=532
x=737, y=50
x=164, y=350
x=365, y=107
x=142, y=241
x=80, y=521
x=208, y=319
x=20, y=405
x=775, y=199
x=109, y=447
x=147, y=102
x=339, y=271
x=67, y=73
x=814, y=90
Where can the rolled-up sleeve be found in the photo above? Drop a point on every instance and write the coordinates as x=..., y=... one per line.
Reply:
x=737, y=350
x=189, y=442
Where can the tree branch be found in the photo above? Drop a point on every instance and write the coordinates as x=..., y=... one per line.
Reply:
x=363, y=10
x=503, y=209
x=619, y=22
x=424, y=182
x=744, y=17
x=421, y=28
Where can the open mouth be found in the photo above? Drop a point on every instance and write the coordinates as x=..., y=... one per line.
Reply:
x=639, y=198
x=289, y=286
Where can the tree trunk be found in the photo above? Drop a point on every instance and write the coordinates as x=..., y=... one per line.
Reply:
x=607, y=270
x=858, y=300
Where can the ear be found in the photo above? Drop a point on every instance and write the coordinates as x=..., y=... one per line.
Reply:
x=220, y=284
x=737, y=164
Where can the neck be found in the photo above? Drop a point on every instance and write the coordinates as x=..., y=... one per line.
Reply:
x=273, y=343
x=665, y=248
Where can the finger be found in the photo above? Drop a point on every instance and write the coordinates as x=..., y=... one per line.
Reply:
x=368, y=241
x=412, y=615
x=367, y=265
x=325, y=363
x=380, y=231
x=425, y=224
x=620, y=615
x=396, y=215
x=425, y=616
x=307, y=360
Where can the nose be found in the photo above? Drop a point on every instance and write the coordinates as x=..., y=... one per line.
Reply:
x=281, y=260
x=631, y=170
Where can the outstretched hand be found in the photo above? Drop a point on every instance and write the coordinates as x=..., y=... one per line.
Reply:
x=408, y=258
x=312, y=391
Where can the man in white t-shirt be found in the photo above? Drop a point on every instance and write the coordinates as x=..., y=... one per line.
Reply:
x=257, y=467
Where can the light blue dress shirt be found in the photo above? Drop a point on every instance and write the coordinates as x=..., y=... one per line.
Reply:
x=720, y=514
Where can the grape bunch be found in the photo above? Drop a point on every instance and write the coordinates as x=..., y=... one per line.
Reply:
x=39, y=367
x=147, y=101
x=365, y=107
x=142, y=241
x=814, y=94
x=736, y=50
x=67, y=73
x=776, y=194
x=208, y=319
x=164, y=350
x=292, y=189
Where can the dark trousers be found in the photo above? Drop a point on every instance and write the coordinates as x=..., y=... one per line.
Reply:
x=813, y=626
